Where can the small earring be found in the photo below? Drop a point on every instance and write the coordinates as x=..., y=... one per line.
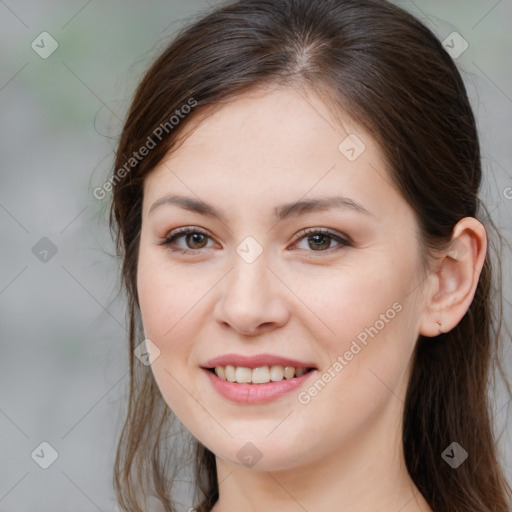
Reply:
x=438, y=322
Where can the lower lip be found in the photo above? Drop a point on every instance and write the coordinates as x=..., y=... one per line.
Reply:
x=256, y=393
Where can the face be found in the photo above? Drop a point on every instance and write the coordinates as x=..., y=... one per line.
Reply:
x=330, y=281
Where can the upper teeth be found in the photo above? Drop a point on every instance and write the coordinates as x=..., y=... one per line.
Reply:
x=260, y=375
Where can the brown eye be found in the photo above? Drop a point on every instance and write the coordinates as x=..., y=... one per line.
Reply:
x=320, y=240
x=195, y=239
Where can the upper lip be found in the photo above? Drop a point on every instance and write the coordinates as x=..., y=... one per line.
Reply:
x=255, y=361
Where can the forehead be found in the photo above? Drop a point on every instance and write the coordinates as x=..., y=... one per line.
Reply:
x=270, y=123
x=280, y=144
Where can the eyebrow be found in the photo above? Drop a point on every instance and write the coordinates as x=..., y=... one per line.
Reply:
x=281, y=212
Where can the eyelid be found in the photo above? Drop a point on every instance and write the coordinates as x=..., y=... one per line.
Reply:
x=179, y=232
x=324, y=231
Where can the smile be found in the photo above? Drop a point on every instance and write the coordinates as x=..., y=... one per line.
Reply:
x=260, y=375
x=255, y=393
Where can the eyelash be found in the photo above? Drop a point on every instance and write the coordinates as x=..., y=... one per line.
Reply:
x=305, y=233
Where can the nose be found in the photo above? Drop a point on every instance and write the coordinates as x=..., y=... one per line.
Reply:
x=252, y=299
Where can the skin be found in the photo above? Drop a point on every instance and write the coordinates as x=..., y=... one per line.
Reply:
x=306, y=300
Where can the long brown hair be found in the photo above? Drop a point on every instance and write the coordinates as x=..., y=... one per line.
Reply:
x=384, y=68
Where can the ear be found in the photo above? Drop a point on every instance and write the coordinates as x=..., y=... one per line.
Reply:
x=455, y=279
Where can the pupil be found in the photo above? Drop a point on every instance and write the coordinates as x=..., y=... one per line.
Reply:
x=194, y=237
x=317, y=237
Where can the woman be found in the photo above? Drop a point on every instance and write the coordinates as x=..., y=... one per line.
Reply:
x=296, y=206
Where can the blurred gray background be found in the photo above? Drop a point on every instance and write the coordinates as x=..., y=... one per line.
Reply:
x=63, y=362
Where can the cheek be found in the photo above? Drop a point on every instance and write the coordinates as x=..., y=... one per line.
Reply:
x=167, y=297
x=174, y=307
x=358, y=303
x=371, y=317
x=169, y=309
x=163, y=305
x=365, y=373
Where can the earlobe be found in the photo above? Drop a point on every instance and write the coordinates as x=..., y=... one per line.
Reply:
x=455, y=279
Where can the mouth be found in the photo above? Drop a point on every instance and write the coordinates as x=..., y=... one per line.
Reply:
x=258, y=375
x=246, y=385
